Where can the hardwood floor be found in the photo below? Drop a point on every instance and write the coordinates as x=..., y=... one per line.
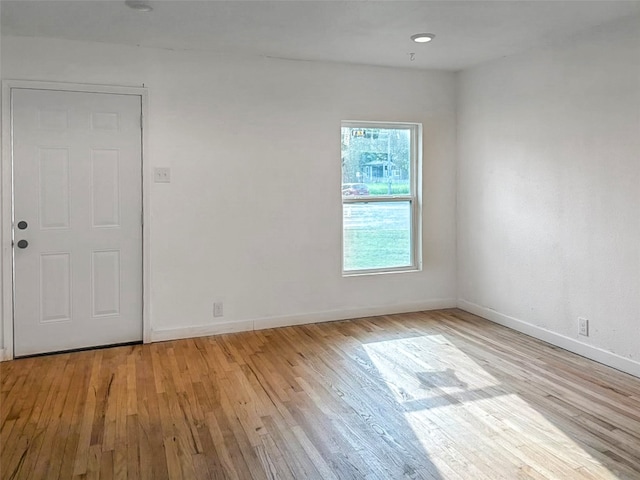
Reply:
x=433, y=395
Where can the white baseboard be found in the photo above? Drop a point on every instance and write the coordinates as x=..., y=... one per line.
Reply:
x=3, y=355
x=164, y=334
x=589, y=351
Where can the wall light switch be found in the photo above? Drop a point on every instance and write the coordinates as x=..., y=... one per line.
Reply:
x=162, y=175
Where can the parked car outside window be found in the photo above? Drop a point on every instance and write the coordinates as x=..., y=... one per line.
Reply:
x=359, y=189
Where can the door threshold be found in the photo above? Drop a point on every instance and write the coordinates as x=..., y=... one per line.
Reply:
x=82, y=349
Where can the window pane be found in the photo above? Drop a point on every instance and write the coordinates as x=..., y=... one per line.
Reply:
x=376, y=235
x=376, y=161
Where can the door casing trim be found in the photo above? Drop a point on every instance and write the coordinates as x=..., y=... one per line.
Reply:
x=6, y=196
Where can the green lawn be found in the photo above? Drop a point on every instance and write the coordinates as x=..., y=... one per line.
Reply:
x=374, y=248
x=383, y=189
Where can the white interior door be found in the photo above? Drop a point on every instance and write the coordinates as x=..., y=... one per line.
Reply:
x=77, y=163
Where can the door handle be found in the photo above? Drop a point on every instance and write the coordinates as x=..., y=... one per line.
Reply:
x=23, y=244
x=22, y=225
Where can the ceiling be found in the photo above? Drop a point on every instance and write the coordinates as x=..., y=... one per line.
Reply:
x=362, y=32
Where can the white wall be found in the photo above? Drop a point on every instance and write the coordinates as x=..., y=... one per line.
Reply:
x=549, y=192
x=252, y=215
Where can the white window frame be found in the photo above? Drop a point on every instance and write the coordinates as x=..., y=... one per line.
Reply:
x=414, y=197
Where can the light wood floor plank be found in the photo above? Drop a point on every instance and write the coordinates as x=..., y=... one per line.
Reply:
x=441, y=395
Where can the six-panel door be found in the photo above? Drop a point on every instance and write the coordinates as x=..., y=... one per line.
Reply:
x=77, y=163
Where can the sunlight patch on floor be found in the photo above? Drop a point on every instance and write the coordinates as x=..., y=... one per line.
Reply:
x=463, y=415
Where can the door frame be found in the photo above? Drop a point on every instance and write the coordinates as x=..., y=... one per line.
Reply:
x=6, y=195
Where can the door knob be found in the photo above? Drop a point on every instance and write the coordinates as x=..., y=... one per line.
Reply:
x=23, y=244
x=22, y=225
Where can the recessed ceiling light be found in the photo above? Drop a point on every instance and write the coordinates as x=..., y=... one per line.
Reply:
x=138, y=5
x=422, y=37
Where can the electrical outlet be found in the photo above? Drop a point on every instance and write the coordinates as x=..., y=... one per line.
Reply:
x=162, y=175
x=583, y=326
x=218, y=309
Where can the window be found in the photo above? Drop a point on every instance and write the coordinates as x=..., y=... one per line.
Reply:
x=380, y=209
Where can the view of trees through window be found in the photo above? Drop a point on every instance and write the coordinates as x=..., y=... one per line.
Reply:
x=378, y=197
x=378, y=158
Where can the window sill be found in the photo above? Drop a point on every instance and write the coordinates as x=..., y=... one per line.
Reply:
x=363, y=273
